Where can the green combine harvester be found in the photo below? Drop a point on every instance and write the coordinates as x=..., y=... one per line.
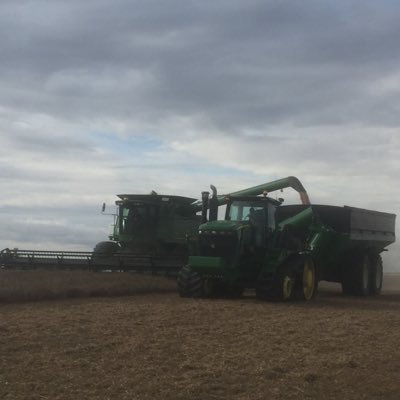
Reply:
x=149, y=235
x=284, y=251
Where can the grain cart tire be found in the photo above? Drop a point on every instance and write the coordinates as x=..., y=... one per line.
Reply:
x=306, y=280
x=362, y=276
x=348, y=280
x=190, y=283
x=376, y=277
x=357, y=276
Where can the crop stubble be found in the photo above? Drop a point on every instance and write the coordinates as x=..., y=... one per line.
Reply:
x=158, y=346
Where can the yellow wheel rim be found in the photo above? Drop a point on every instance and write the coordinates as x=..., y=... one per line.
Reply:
x=288, y=284
x=308, y=279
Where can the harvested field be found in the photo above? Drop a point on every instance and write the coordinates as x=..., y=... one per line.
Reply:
x=19, y=285
x=158, y=346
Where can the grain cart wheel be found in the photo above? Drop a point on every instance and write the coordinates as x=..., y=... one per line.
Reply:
x=362, y=276
x=307, y=282
x=348, y=280
x=357, y=276
x=376, y=274
x=190, y=283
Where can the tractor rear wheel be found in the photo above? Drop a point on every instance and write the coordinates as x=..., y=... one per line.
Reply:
x=279, y=287
x=307, y=282
x=190, y=283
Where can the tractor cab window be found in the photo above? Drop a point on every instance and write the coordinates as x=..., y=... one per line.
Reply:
x=261, y=217
x=245, y=211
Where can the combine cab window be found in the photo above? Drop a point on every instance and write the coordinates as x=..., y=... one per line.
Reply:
x=136, y=216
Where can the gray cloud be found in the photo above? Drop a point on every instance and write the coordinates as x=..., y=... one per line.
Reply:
x=237, y=64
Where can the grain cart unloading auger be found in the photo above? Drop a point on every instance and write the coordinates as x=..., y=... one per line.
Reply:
x=150, y=234
x=283, y=251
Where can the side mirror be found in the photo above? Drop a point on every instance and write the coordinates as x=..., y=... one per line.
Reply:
x=103, y=208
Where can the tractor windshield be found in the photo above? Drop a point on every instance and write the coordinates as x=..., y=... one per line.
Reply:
x=252, y=211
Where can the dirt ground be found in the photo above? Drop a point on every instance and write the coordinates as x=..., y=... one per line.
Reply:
x=159, y=346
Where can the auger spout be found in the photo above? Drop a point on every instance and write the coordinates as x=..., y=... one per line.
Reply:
x=290, y=181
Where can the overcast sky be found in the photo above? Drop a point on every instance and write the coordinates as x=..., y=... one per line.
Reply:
x=100, y=97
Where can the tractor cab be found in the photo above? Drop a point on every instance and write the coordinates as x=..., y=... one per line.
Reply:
x=248, y=224
x=253, y=214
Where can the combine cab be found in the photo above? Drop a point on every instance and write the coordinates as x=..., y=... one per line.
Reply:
x=150, y=233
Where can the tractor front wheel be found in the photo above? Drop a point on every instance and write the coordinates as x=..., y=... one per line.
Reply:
x=190, y=283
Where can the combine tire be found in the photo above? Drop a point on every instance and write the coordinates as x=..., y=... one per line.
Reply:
x=376, y=275
x=105, y=249
x=190, y=283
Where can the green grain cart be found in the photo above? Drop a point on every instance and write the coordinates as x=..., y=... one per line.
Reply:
x=284, y=251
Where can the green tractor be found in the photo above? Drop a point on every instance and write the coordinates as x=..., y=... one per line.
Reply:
x=284, y=251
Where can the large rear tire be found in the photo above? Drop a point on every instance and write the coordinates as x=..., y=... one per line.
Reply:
x=307, y=280
x=376, y=277
x=277, y=287
x=190, y=283
x=357, y=276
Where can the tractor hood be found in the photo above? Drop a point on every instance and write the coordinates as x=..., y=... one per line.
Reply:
x=223, y=226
